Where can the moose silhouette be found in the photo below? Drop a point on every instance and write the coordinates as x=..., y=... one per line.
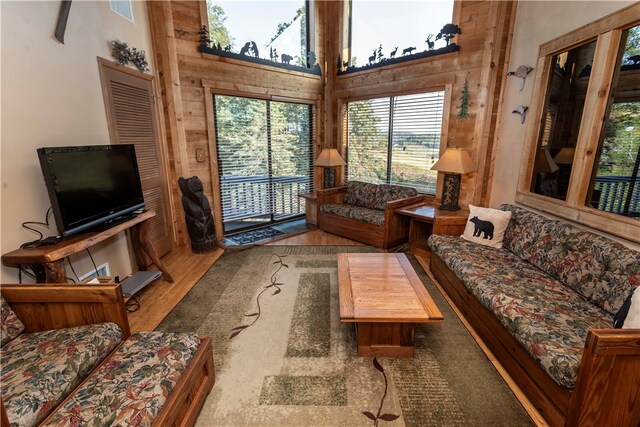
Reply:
x=393, y=52
x=408, y=50
x=481, y=226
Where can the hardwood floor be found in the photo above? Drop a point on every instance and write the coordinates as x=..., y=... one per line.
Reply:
x=158, y=299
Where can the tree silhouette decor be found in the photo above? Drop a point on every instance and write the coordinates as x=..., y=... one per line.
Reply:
x=463, y=113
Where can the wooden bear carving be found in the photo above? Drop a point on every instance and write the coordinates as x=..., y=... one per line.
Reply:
x=197, y=212
x=485, y=227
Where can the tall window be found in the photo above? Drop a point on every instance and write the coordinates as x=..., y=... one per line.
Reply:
x=273, y=28
x=265, y=156
x=615, y=183
x=388, y=28
x=395, y=140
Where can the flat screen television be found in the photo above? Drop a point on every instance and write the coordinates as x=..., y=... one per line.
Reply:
x=91, y=185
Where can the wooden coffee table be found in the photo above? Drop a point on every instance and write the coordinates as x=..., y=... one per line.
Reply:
x=383, y=296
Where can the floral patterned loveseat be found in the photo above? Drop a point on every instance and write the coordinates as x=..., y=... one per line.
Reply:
x=364, y=212
x=550, y=288
x=94, y=373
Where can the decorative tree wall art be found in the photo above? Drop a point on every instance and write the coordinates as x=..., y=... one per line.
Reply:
x=123, y=54
x=463, y=113
x=378, y=58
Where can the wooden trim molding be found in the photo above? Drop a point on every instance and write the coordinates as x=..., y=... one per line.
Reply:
x=607, y=32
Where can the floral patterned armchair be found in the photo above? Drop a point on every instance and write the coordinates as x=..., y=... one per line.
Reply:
x=365, y=212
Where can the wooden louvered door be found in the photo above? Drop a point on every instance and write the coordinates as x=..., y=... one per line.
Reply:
x=132, y=119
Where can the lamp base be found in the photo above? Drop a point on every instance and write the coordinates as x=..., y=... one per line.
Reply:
x=451, y=192
x=329, y=177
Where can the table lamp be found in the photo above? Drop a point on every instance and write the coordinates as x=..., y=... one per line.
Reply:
x=565, y=156
x=329, y=158
x=454, y=162
x=544, y=161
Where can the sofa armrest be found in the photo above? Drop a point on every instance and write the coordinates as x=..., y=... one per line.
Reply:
x=41, y=307
x=331, y=195
x=606, y=392
x=395, y=204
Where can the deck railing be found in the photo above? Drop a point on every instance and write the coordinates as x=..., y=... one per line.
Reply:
x=615, y=197
x=246, y=197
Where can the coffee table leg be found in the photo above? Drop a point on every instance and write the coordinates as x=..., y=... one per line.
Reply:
x=385, y=339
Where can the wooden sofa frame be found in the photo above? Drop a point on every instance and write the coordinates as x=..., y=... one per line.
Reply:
x=42, y=307
x=394, y=232
x=606, y=391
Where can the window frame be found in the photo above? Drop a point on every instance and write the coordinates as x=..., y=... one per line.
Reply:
x=607, y=33
x=444, y=137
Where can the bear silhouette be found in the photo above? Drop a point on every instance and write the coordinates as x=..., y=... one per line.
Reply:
x=481, y=226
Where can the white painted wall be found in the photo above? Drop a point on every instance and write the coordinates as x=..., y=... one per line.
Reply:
x=51, y=96
x=537, y=22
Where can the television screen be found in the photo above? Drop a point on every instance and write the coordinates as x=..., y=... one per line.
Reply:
x=91, y=185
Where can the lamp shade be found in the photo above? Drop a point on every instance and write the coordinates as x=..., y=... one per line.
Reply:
x=454, y=160
x=565, y=156
x=544, y=161
x=329, y=157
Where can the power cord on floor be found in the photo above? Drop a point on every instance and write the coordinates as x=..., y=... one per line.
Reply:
x=133, y=303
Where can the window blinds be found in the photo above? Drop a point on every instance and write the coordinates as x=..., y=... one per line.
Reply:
x=395, y=140
x=265, y=157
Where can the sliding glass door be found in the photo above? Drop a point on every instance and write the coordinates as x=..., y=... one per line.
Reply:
x=265, y=158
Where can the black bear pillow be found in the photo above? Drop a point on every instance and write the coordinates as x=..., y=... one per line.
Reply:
x=486, y=226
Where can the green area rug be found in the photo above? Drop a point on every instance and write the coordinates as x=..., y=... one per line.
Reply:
x=283, y=358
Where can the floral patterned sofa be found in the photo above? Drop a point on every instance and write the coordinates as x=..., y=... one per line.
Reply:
x=550, y=290
x=94, y=373
x=364, y=212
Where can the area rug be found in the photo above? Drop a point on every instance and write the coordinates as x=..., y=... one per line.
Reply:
x=283, y=358
x=254, y=236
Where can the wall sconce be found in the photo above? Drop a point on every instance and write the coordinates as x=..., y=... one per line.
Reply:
x=329, y=158
x=455, y=162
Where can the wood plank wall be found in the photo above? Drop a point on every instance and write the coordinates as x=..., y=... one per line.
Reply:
x=187, y=78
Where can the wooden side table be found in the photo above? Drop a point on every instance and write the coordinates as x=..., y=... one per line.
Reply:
x=47, y=262
x=311, y=207
x=427, y=220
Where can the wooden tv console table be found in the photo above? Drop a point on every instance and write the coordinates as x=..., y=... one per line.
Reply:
x=47, y=262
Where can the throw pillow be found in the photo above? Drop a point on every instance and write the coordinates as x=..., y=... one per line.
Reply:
x=486, y=226
x=10, y=325
x=628, y=316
